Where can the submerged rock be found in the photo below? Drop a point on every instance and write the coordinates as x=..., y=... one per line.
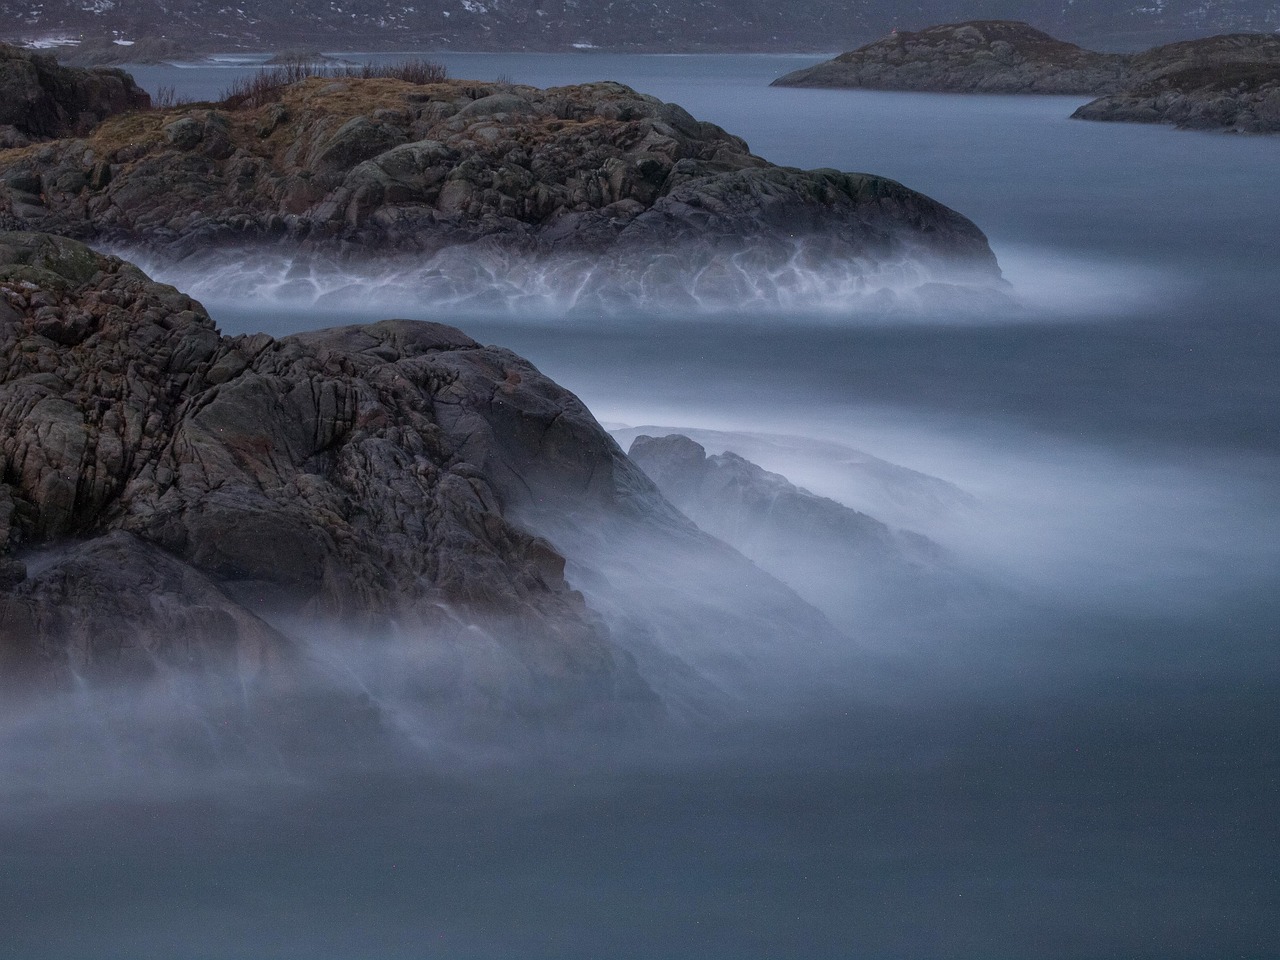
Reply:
x=359, y=167
x=848, y=563
x=978, y=56
x=40, y=99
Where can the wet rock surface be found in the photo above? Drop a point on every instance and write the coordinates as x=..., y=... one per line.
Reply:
x=379, y=166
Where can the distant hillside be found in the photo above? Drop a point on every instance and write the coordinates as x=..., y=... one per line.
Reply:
x=822, y=25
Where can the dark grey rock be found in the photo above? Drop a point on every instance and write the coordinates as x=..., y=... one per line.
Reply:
x=359, y=483
x=357, y=476
x=39, y=98
x=119, y=606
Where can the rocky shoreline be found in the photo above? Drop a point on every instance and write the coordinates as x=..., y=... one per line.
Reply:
x=172, y=499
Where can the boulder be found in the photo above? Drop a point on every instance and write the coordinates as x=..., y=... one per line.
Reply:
x=851, y=565
x=357, y=477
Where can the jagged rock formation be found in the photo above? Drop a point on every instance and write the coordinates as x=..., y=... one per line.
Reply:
x=382, y=165
x=978, y=56
x=40, y=99
x=1220, y=83
x=743, y=504
x=170, y=497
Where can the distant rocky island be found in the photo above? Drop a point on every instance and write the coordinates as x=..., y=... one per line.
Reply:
x=979, y=56
x=388, y=166
x=1221, y=83
x=1226, y=82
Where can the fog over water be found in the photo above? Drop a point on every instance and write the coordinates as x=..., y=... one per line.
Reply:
x=1074, y=754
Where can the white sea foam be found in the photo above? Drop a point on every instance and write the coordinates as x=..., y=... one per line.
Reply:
x=481, y=280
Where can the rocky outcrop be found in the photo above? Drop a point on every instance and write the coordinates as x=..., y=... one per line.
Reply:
x=1221, y=83
x=40, y=99
x=978, y=56
x=172, y=497
x=360, y=166
x=354, y=475
x=743, y=504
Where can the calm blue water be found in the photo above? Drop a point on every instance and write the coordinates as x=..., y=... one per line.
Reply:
x=1095, y=774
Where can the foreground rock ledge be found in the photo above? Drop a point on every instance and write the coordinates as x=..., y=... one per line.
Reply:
x=352, y=166
x=167, y=488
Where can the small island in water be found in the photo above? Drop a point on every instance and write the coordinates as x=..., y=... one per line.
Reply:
x=1229, y=82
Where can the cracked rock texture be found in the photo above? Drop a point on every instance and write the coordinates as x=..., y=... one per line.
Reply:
x=155, y=475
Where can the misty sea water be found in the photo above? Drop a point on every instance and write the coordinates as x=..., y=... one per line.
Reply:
x=1090, y=772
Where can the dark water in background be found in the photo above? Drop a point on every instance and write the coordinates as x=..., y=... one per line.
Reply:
x=1097, y=775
